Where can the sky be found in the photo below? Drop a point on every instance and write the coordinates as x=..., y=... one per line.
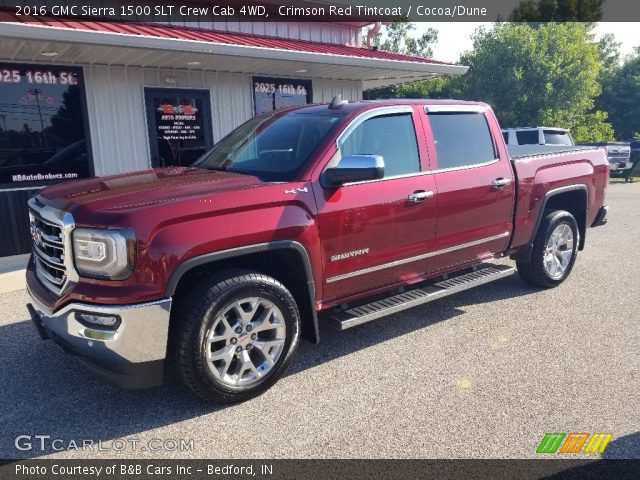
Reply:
x=454, y=38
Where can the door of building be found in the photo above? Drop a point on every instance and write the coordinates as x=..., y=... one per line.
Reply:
x=179, y=123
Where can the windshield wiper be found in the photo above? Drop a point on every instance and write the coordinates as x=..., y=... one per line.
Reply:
x=227, y=169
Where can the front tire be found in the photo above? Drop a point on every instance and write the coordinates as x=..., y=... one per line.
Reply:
x=234, y=336
x=554, y=251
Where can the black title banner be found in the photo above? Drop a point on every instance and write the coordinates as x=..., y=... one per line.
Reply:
x=353, y=11
x=319, y=469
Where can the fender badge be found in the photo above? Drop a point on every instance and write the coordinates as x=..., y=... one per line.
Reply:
x=354, y=253
x=297, y=190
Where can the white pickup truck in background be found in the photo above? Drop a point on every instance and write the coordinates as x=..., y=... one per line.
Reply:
x=537, y=136
x=618, y=153
x=619, y=156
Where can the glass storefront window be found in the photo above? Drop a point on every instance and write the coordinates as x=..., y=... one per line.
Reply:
x=42, y=124
x=179, y=125
x=275, y=93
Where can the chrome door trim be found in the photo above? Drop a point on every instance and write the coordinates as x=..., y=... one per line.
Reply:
x=3, y=190
x=393, y=177
x=404, y=261
x=456, y=108
x=466, y=167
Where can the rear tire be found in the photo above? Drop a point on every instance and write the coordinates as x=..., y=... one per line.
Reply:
x=554, y=250
x=234, y=336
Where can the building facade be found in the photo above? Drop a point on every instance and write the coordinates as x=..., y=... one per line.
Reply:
x=81, y=99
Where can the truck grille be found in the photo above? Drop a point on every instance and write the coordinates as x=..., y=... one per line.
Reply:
x=618, y=155
x=48, y=244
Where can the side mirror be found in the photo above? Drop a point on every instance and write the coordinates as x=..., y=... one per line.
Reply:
x=353, y=168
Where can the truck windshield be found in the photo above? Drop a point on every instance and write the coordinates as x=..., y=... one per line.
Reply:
x=272, y=147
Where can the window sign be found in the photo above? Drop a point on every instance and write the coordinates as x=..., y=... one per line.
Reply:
x=179, y=125
x=42, y=124
x=275, y=93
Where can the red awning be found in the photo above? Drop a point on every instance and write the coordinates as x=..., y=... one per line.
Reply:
x=155, y=30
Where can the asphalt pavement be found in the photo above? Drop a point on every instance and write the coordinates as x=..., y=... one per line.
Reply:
x=483, y=374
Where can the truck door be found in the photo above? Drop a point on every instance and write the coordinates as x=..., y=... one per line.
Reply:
x=370, y=230
x=475, y=185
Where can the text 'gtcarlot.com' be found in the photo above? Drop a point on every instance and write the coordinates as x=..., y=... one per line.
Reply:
x=47, y=443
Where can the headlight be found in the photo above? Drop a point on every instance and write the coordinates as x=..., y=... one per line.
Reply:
x=102, y=253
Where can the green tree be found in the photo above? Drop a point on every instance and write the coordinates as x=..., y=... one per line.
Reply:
x=609, y=53
x=585, y=128
x=398, y=38
x=441, y=87
x=621, y=97
x=547, y=74
x=558, y=11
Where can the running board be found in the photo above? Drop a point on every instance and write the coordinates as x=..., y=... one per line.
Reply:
x=484, y=273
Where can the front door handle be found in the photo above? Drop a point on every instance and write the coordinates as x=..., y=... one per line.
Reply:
x=420, y=196
x=500, y=182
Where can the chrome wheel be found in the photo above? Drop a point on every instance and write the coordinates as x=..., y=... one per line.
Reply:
x=245, y=341
x=558, y=251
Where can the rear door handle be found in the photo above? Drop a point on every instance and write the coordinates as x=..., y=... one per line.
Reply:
x=420, y=196
x=500, y=182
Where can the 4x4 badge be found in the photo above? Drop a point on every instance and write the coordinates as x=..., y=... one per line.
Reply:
x=297, y=190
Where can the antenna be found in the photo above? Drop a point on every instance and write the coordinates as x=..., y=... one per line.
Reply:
x=337, y=103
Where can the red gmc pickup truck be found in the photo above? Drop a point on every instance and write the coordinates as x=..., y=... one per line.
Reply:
x=340, y=213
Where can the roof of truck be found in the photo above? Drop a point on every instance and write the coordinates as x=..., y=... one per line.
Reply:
x=366, y=104
x=536, y=128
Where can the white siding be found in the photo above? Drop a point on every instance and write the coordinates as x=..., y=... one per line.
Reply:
x=325, y=90
x=117, y=115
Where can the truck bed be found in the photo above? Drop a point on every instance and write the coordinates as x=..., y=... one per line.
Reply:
x=517, y=152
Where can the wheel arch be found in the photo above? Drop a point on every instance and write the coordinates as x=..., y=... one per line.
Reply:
x=285, y=260
x=572, y=198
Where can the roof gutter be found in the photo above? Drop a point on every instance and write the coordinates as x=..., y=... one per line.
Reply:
x=66, y=35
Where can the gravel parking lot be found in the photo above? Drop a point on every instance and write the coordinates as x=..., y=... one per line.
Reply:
x=483, y=374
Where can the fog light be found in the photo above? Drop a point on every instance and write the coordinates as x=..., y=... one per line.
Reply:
x=94, y=319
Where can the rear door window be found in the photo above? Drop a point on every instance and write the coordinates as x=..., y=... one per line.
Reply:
x=557, y=137
x=528, y=137
x=462, y=139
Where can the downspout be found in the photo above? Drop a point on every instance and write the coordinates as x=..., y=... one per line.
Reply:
x=372, y=33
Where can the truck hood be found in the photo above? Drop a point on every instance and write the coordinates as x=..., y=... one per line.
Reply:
x=144, y=188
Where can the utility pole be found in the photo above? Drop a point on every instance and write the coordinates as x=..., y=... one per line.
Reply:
x=36, y=93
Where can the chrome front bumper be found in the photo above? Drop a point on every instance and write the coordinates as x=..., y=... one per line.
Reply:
x=131, y=356
x=615, y=165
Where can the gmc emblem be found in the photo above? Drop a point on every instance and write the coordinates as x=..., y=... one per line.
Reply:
x=36, y=234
